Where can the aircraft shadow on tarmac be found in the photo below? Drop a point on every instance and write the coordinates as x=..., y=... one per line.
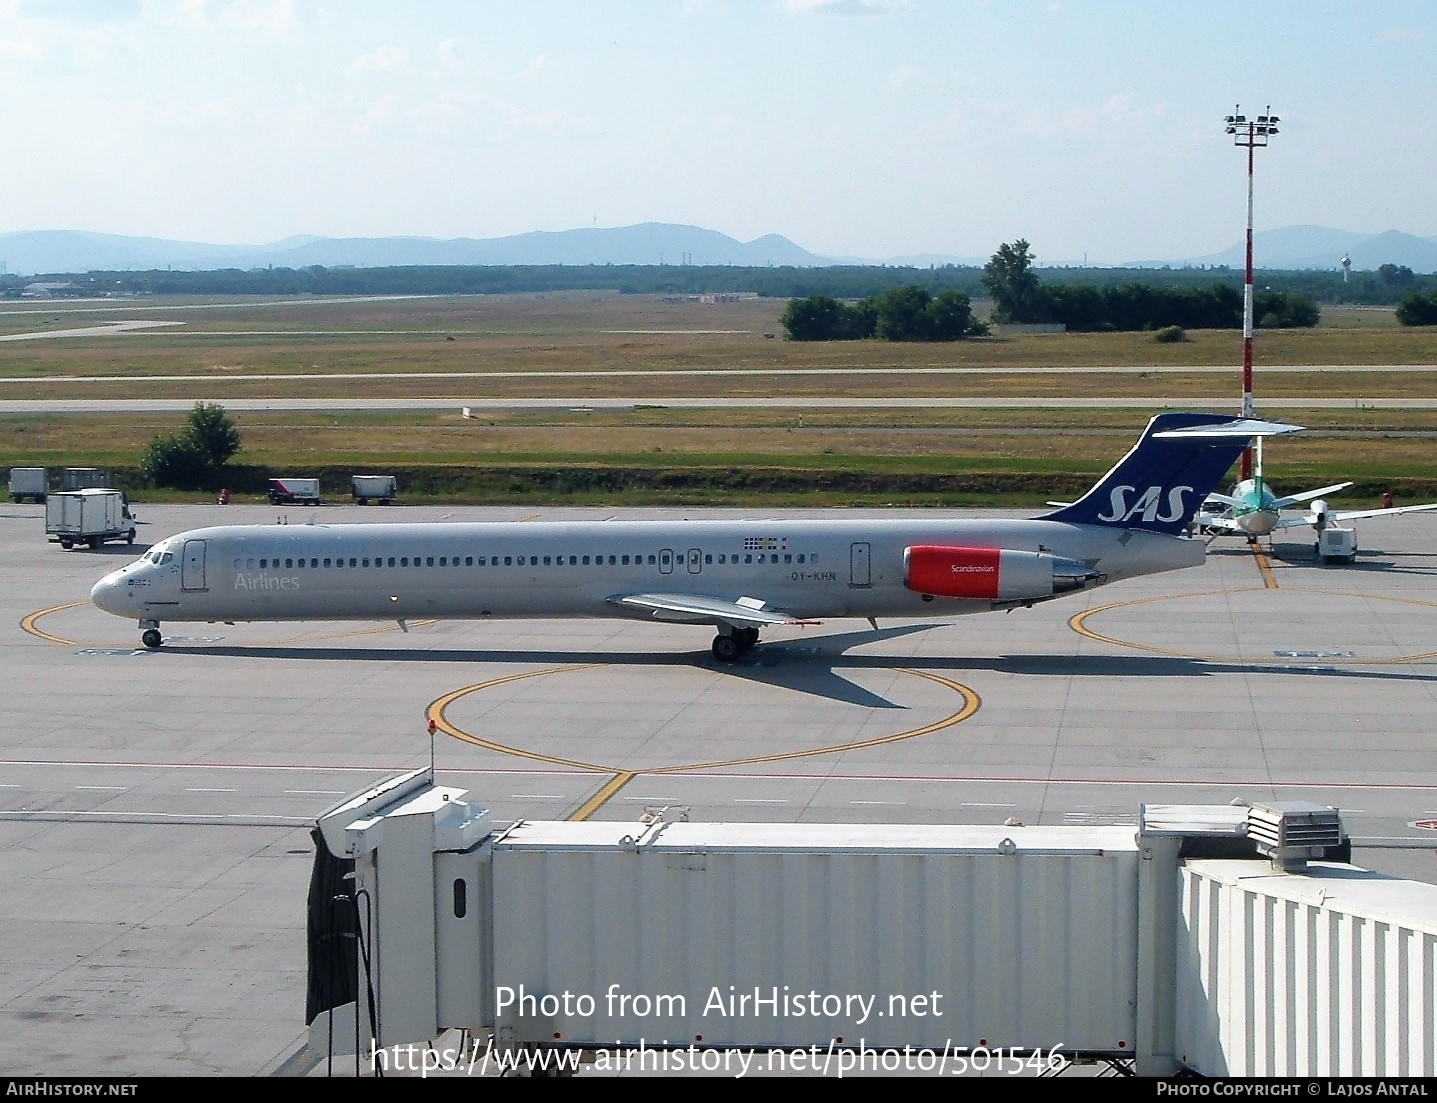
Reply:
x=815, y=665
x=1301, y=555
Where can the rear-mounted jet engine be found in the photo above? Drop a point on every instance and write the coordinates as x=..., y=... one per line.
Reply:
x=993, y=574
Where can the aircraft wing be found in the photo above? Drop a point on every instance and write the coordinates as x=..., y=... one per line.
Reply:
x=1352, y=515
x=1308, y=495
x=1358, y=514
x=746, y=612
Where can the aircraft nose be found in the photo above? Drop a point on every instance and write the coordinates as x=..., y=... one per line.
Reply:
x=108, y=593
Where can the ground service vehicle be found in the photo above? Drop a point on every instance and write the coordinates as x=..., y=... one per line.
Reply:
x=374, y=488
x=288, y=492
x=1335, y=545
x=83, y=478
x=29, y=482
x=88, y=517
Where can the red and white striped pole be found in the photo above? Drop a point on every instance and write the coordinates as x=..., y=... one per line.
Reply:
x=1250, y=133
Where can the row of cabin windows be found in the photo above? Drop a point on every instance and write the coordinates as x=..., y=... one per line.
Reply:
x=722, y=558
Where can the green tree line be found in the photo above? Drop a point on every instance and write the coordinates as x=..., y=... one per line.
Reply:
x=900, y=314
x=1020, y=296
x=839, y=281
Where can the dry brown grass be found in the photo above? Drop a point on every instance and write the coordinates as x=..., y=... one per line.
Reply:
x=500, y=337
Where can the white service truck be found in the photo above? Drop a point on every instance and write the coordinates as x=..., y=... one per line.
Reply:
x=1336, y=545
x=288, y=492
x=29, y=482
x=375, y=488
x=88, y=517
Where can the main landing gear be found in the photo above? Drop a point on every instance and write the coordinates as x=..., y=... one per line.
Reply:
x=729, y=646
x=151, y=637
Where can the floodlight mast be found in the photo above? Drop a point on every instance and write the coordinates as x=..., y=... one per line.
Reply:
x=1250, y=133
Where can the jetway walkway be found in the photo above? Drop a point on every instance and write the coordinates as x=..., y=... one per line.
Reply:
x=1213, y=940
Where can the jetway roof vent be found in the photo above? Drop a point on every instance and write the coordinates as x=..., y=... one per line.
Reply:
x=1292, y=832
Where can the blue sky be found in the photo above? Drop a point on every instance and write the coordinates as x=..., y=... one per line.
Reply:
x=873, y=128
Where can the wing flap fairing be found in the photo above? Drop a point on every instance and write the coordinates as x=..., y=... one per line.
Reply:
x=744, y=612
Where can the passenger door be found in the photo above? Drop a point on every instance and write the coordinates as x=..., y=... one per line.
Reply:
x=860, y=573
x=192, y=566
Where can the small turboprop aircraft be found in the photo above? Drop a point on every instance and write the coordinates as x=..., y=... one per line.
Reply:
x=738, y=576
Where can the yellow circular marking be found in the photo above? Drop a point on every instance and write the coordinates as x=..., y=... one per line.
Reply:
x=621, y=777
x=435, y=713
x=1078, y=623
x=30, y=623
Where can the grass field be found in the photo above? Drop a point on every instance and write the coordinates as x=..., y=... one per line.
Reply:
x=579, y=346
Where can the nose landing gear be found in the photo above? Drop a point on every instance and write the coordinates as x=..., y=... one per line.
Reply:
x=151, y=637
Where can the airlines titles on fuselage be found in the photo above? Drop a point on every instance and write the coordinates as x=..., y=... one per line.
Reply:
x=266, y=581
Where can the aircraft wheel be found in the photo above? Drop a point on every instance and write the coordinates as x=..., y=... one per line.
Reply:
x=747, y=639
x=151, y=638
x=726, y=648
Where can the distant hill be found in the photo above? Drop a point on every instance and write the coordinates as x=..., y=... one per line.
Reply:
x=27, y=253
x=1303, y=247
x=33, y=252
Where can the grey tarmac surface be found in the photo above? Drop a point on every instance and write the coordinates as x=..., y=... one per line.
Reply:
x=155, y=806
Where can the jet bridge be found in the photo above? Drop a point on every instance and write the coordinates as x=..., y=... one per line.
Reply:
x=1213, y=940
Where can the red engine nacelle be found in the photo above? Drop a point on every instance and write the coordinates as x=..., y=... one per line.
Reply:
x=992, y=574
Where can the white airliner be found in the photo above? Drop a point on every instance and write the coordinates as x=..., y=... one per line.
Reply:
x=738, y=576
x=1253, y=510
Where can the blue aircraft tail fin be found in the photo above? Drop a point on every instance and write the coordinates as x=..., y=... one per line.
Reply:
x=1160, y=484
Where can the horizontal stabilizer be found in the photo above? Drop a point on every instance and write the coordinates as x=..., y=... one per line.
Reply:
x=1308, y=495
x=1240, y=429
x=1222, y=500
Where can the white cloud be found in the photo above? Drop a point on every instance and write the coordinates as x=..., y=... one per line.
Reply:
x=844, y=7
x=274, y=19
x=903, y=76
x=269, y=18
x=1117, y=113
x=390, y=59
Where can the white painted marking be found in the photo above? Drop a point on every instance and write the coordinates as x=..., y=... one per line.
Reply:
x=899, y=802
x=112, y=788
x=759, y=800
x=211, y=790
x=314, y=792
